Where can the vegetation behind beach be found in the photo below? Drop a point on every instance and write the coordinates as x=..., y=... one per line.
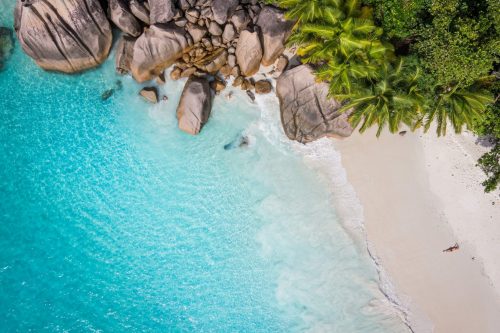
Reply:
x=422, y=63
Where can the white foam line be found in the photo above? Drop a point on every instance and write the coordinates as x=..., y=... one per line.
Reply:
x=322, y=156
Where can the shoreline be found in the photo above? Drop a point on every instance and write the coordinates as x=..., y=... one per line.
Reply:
x=443, y=292
x=326, y=161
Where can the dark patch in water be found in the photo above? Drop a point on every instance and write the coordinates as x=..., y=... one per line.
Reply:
x=108, y=93
x=239, y=142
x=6, y=44
x=251, y=95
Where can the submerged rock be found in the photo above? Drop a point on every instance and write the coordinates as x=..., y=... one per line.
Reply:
x=6, y=44
x=63, y=35
x=156, y=49
x=110, y=92
x=307, y=113
x=195, y=105
x=239, y=142
x=107, y=94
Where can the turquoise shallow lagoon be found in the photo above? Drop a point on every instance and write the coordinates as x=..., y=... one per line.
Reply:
x=112, y=220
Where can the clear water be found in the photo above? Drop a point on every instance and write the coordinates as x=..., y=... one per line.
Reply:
x=112, y=220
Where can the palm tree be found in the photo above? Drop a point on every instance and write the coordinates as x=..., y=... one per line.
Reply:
x=304, y=11
x=324, y=41
x=391, y=100
x=458, y=106
x=347, y=72
x=346, y=75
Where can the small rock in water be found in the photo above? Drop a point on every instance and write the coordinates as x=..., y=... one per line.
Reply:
x=229, y=95
x=165, y=97
x=118, y=84
x=263, y=87
x=402, y=133
x=251, y=95
x=107, y=94
x=217, y=85
x=161, y=78
x=244, y=142
x=150, y=94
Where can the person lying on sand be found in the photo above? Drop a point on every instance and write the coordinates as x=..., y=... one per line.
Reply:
x=452, y=248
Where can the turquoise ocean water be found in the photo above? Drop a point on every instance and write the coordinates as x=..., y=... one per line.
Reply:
x=112, y=220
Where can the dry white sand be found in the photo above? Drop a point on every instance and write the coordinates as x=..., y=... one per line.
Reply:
x=420, y=195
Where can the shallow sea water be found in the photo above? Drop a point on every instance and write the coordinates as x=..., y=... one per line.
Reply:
x=112, y=220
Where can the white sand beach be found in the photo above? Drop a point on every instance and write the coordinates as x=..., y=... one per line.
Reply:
x=421, y=195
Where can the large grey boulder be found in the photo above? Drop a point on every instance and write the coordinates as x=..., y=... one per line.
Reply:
x=307, y=113
x=161, y=11
x=222, y=9
x=249, y=52
x=195, y=105
x=156, y=49
x=124, y=53
x=63, y=35
x=122, y=17
x=275, y=30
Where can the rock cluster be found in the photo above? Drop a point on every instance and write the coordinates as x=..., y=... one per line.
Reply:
x=202, y=37
x=207, y=41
